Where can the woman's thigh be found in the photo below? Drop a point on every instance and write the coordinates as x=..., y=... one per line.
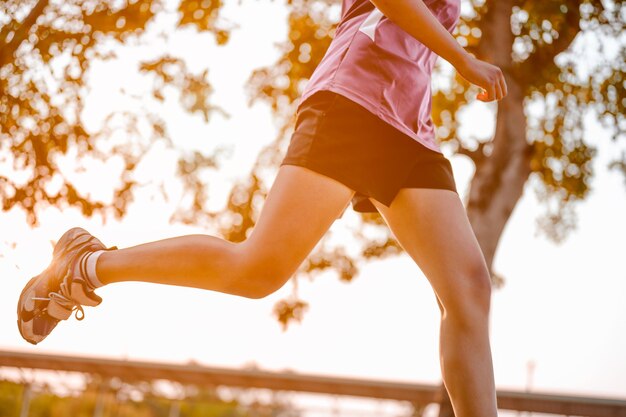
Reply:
x=432, y=226
x=299, y=209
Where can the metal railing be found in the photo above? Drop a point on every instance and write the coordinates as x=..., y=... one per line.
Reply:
x=195, y=374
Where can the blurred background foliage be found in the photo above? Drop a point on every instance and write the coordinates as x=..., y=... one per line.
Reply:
x=122, y=399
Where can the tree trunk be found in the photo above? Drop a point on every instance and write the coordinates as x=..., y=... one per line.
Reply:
x=499, y=180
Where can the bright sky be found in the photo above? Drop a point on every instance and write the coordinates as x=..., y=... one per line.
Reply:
x=561, y=308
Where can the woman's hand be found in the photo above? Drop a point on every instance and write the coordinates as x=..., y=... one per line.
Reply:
x=486, y=76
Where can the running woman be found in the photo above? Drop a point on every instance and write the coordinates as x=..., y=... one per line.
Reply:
x=363, y=135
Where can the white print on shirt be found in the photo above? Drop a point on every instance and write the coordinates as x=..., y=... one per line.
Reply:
x=369, y=24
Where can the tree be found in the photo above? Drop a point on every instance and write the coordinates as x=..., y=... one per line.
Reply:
x=534, y=43
x=46, y=51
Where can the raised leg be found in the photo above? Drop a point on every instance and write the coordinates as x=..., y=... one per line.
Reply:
x=432, y=227
x=300, y=207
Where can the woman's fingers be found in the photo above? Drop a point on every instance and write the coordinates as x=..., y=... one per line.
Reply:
x=503, y=86
x=490, y=90
x=490, y=93
x=499, y=93
x=486, y=93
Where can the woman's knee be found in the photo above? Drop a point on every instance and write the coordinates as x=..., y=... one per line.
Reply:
x=470, y=300
x=261, y=281
x=260, y=274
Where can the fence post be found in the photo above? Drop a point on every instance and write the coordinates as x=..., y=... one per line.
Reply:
x=25, y=405
x=98, y=410
x=175, y=409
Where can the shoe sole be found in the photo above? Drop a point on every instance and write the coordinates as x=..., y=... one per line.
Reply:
x=28, y=291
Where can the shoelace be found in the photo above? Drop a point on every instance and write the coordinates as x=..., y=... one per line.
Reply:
x=64, y=298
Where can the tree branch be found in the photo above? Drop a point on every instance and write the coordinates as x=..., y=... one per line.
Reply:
x=477, y=155
x=8, y=49
x=546, y=54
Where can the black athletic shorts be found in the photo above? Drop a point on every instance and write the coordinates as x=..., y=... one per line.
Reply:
x=339, y=138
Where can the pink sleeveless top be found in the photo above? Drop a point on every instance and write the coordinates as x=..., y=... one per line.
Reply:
x=375, y=63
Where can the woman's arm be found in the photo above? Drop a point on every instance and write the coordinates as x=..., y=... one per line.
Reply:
x=415, y=18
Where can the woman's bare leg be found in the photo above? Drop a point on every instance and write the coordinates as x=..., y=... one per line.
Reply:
x=432, y=227
x=300, y=207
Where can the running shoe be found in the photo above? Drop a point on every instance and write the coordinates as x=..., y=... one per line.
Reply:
x=56, y=292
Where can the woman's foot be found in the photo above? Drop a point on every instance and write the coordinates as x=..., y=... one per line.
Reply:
x=59, y=290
